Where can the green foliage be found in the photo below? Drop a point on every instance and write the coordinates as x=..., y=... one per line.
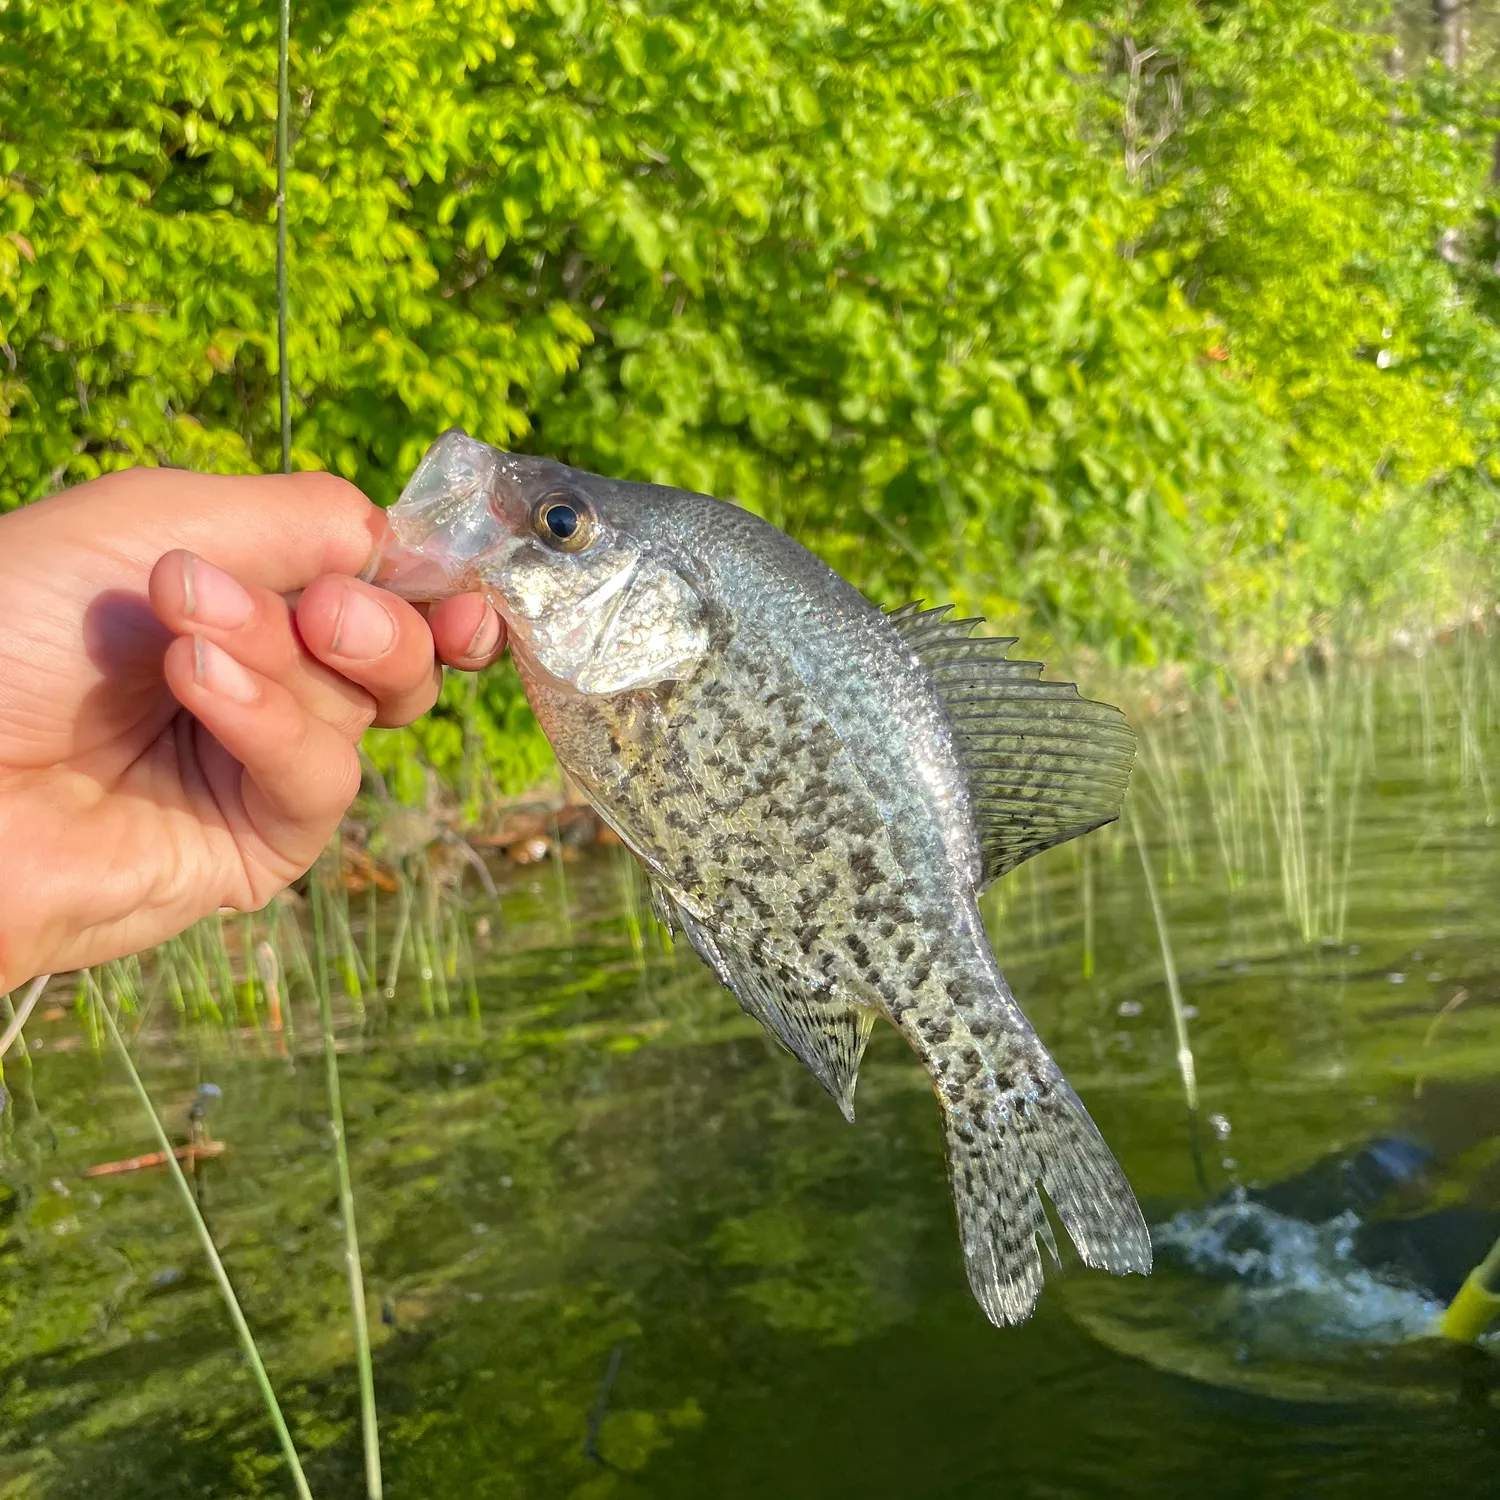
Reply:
x=1176, y=362
x=1328, y=212
x=480, y=736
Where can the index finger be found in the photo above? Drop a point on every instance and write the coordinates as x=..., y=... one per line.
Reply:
x=375, y=639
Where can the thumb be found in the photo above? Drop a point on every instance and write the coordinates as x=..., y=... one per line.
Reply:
x=280, y=531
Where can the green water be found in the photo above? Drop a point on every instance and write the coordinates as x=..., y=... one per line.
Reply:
x=618, y=1246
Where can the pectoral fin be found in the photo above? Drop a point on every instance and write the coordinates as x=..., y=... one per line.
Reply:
x=663, y=906
x=826, y=1034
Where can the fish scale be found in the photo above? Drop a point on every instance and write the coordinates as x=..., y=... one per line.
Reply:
x=817, y=791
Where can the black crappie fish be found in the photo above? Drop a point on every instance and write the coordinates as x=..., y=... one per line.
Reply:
x=817, y=790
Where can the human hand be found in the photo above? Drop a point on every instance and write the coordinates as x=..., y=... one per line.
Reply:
x=175, y=737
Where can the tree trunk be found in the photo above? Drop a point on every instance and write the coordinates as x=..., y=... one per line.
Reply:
x=1450, y=33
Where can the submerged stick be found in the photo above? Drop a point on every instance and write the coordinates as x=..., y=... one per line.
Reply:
x=231, y=1302
x=601, y=1406
x=368, y=1422
x=191, y=1154
x=23, y=1013
x=1088, y=910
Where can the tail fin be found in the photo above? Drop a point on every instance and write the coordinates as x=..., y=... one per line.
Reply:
x=1037, y=1134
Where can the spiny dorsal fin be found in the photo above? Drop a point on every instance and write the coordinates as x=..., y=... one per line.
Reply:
x=1044, y=763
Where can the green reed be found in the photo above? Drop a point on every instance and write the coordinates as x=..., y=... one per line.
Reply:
x=1186, y=1065
x=1155, y=761
x=430, y=936
x=631, y=905
x=1466, y=693
x=14, y=1033
x=283, y=152
x=216, y=1265
x=1221, y=771
x=398, y=939
x=1086, y=885
x=1292, y=764
x=469, y=971
x=1286, y=767
x=369, y=1424
x=372, y=935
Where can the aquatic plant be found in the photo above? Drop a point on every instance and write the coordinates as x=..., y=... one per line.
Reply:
x=667, y=1168
x=368, y=1421
x=226, y=1288
x=1185, y=1064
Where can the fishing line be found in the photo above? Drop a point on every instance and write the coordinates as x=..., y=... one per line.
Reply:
x=368, y=1424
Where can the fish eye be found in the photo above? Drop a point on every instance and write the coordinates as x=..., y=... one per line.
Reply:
x=564, y=521
x=561, y=521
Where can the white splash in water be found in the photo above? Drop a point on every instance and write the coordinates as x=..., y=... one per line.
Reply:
x=1287, y=1285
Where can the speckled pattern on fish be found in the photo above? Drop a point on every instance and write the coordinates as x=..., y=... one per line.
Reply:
x=817, y=791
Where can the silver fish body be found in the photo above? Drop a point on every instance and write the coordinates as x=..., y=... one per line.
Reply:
x=817, y=790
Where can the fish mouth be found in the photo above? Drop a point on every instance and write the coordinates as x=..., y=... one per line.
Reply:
x=409, y=573
x=448, y=518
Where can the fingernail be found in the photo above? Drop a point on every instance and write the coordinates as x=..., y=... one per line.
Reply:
x=363, y=630
x=220, y=673
x=209, y=594
x=486, y=637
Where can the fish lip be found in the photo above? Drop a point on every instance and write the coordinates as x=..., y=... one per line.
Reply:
x=408, y=573
x=446, y=521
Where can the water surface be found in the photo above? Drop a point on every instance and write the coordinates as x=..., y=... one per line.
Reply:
x=617, y=1245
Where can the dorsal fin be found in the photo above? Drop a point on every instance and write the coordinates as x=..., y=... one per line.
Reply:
x=1044, y=763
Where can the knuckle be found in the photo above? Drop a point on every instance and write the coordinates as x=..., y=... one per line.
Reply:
x=360, y=717
x=348, y=780
x=325, y=762
x=343, y=706
x=298, y=751
x=333, y=786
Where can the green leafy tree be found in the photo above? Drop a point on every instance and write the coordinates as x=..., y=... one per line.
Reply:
x=914, y=278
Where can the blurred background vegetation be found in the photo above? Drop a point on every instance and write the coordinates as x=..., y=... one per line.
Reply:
x=1158, y=330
